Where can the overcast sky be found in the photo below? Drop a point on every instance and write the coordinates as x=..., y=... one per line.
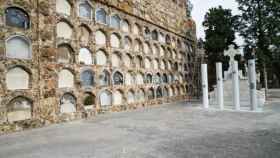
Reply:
x=202, y=6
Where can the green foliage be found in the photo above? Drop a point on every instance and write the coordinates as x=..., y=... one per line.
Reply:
x=260, y=27
x=220, y=27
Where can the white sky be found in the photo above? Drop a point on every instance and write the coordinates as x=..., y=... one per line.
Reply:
x=202, y=6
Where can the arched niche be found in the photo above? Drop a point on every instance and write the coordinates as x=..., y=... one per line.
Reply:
x=140, y=95
x=127, y=43
x=17, y=17
x=151, y=94
x=101, y=16
x=136, y=29
x=155, y=35
x=85, y=34
x=116, y=60
x=19, y=109
x=64, y=30
x=115, y=41
x=127, y=60
x=101, y=58
x=65, y=79
x=100, y=38
x=87, y=78
x=138, y=62
x=149, y=78
x=130, y=97
x=65, y=54
x=117, y=98
x=118, y=78
x=165, y=92
x=18, y=47
x=17, y=78
x=147, y=63
x=68, y=103
x=63, y=7
x=105, y=98
x=115, y=21
x=139, y=79
x=89, y=101
x=147, y=49
x=125, y=26
x=159, y=92
x=85, y=10
x=129, y=79
x=85, y=56
x=164, y=78
x=104, y=78
x=156, y=64
x=138, y=46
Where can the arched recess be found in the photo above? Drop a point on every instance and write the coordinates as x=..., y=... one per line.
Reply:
x=85, y=56
x=164, y=78
x=87, y=78
x=165, y=92
x=63, y=7
x=17, y=17
x=147, y=48
x=139, y=79
x=101, y=58
x=136, y=29
x=118, y=78
x=65, y=79
x=64, y=30
x=139, y=62
x=129, y=78
x=147, y=33
x=127, y=60
x=167, y=39
x=89, y=101
x=155, y=49
x=68, y=103
x=127, y=43
x=115, y=22
x=115, y=41
x=159, y=92
x=125, y=26
x=130, y=97
x=155, y=35
x=161, y=51
x=19, y=109
x=138, y=46
x=65, y=54
x=85, y=34
x=161, y=37
x=100, y=38
x=149, y=78
x=140, y=95
x=18, y=47
x=101, y=16
x=85, y=10
x=105, y=98
x=157, y=78
x=116, y=59
x=148, y=63
x=104, y=78
x=151, y=94
x=118, y=98
x=156, y=64
x=17, y=78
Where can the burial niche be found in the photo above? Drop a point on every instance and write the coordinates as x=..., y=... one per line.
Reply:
x=20, y=108
x=18, y=47
x=17, y=78
x=118, y=78
x=17, y=17
x=67, y=103
x=105, y=98
x=87, y=78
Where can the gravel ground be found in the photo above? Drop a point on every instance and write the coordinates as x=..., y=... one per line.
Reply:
x=168, y=131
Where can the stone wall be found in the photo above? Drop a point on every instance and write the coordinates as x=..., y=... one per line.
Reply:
x=177, y=60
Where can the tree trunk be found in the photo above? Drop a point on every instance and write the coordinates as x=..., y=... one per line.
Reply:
x=265, y=79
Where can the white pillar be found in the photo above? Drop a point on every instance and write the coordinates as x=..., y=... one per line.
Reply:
x=235, y=83
x=220, y=85
x=204, y=79
x=253, y=84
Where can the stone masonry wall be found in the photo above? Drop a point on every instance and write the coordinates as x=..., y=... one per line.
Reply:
x=178, y=62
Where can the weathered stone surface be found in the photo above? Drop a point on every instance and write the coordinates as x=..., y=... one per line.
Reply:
x=175, y=57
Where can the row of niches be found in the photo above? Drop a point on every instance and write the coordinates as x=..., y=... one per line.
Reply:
x=16, y=17
x=20, y=78
x=19, y=47
x=114, y=21
x=21, y=108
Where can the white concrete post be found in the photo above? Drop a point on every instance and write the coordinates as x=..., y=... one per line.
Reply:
x=204, y=79
x=253, y=84
x=220, y=85
x=235, y=83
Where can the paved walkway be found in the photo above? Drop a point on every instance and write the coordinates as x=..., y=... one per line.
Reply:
x=169, y=131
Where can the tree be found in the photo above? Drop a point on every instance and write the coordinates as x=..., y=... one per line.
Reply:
x=260, y=29
x=219, y=27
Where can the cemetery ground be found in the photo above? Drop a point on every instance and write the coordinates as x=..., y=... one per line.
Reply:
x=176, y=130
